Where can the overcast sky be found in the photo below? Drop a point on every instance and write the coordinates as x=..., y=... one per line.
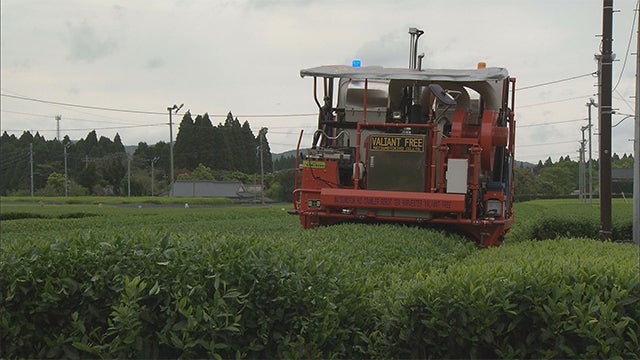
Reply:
x=244, y=56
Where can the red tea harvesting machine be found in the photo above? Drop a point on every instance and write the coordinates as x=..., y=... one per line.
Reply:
x=410, y=145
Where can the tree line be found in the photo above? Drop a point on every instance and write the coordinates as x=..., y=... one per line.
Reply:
x=560, y=179
x=226, y=151
x=101, y=166
x=227, y=146
x=94, y=165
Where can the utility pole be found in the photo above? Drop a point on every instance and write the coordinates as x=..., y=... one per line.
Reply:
x=128, y=175
x=590, y=166
x=261, y=166
x=636, y=144
x=66, y=177
x=582, y=166
x=58, y=118
x=171, y=109
x=31, y=165
x=605, y=61
x=581, y=190
x=153, y=162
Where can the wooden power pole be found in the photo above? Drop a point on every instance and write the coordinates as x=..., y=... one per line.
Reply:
x=605, y=62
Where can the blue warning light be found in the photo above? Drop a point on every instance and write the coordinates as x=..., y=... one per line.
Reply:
x=356, y=63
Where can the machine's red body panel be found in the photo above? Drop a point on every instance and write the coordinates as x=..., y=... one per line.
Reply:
x=376, y=199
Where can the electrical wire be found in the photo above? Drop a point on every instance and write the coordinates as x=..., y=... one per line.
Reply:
x=557, y=81
x=545, y=154
x=26, y=98
x=89, y=129
x=267, y=115
x=83, y=106
x=150, y=112
x=625, y=101
x=556, y=101
x=626, y=56
x=8, y=162
x=551, y=123
x=65, y=118
x=545, y=144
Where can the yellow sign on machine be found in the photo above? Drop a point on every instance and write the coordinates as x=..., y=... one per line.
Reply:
x=396, y=143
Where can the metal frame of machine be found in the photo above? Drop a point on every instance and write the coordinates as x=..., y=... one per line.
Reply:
x=409, y=145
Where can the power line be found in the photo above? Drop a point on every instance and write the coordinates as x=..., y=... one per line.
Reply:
x=89, y=129
x=262, y=115
x=554, y=143
x=83, y=106
x=131, y=125
x=150, y=112
x=266, y=115
x=621, y=98
x=537, y=156
x=66, y=118
x=13, y=159
x=551, y=123
x=557, y=81
x=556, y=101
x=626, y=56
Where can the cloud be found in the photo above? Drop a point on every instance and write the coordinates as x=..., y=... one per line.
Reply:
x=118, y=12
x=265, y=4
x=85, y=44
x=154, y=63
x=390, y=50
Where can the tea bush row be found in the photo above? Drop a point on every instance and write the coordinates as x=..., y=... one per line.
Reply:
x=248, y=282
x=114, y=200
x=568, y=298
x=549, y=219
x=248, y=293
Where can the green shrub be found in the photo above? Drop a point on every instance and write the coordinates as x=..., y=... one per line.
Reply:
x=549, y=219
x=138, y=293
x=552, y=299
x=551, y=227
x=20, y=215
x=115, y=296
x=249, y=282
x=28, y=215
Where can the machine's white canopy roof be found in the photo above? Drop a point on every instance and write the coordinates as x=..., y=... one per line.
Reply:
x=378, y=72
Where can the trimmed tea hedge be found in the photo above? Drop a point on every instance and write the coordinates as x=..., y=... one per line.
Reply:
x=115, y=200
x=552, y=299
x=549, y=219
x=241, y=287
x=250, y=283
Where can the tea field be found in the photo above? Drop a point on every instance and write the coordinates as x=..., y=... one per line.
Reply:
x=129, y=281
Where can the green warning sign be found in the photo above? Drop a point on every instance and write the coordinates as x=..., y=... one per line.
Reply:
x=313, y=164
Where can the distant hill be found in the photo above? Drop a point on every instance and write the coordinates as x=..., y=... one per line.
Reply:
x=130, y=149
x=524, y=164
x=287, y=153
